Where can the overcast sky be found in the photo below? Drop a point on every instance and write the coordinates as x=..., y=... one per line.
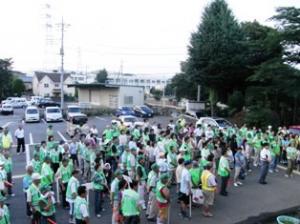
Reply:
x=145, y=36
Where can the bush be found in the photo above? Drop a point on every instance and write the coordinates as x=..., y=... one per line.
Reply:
x=236, y=102
x=97, y=111
x=261, y=117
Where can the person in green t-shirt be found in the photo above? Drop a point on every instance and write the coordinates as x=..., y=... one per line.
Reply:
x=8, y=169
x=141, y=177
x=47, y=205
x=130, y=204
x=81, y=210
x=50, y=131
x=291, y=154
x=195, y=172
x=224, y=172
x=54, y=155
x=47, y=173
x=100, y=184
x=36, y=163
x=4, y=211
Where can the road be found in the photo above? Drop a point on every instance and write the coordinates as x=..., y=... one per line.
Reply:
x=247, y=201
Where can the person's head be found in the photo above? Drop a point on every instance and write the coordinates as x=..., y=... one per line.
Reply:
x=155, y=167
x=188, y=164
x=210, y=157
x=47, y=160
x=118, y=174
x=43, y=143
x=134, y=185
x=265, y=145
x=76, y=173
x=195, y=164
x=208, y=166
x=224, y=151
x=180, y=161
x=36, y=157
x=81, y=191
x=29, y=170
x=164, y=178
x=36, y=178
x=20, y=126
x=123, y=184
x=65, y=162
x=5, y=131
x=141, y=160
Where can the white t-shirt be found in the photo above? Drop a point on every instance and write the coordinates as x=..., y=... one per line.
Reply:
x=123, y=139
x=84, y=211
x=185, y=182
x=265, y=155
x=198, y=132
x=19, y=133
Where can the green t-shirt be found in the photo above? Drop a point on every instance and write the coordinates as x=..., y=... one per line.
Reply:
x=129, y=203
x=195, y=176
x=54, y=155
x=99, y=180
x=47, y=175
x=223, y=167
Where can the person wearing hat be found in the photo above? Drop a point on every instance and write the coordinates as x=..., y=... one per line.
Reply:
x=114, y=195
x=209, y=187
x=185, y=188
x=27, y=181
x=47, y=173
x=100, y=184
x=141, y=177
x=34, y=196
x=81, y=207
x=71, y=193
x=130, y=206
x=50, y=131
x=47, y=205
x=152, y=180
x=4, y=211
x=163, y=198
x=64, y=174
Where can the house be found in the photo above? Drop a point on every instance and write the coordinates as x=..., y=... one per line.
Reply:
x=112, y=96
x=48, y=84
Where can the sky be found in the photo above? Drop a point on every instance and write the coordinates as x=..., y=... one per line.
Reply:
x=132, y=36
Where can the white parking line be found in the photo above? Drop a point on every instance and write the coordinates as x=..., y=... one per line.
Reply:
x=62, y=137
x=284, y=168
x=30, y=138
x=44, y=121
x=27, y=151
x=101, y=118
x=18, y=176
x=7, y=124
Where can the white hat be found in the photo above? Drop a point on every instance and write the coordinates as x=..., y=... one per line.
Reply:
x=1, y=163
x=36, y=176
x=107, y=166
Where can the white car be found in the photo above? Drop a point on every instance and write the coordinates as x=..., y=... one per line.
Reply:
x=7, y=109
x=53, y=114
x=32, y=114
x=73, y=110
x=19, y=103
x=128, y=120
x=221, y=123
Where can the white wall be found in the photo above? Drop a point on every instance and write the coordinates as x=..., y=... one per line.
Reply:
x=137, y=94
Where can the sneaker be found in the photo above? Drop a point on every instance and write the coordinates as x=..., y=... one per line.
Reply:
x=239, y=183
x=103, y=210
x=235, y=184
x=98, y=216
x=287, y=176
x=18, y=153
x=72, y=221
x=276, y=170
x=249, y=170
x=271, y=171
x=12, y=195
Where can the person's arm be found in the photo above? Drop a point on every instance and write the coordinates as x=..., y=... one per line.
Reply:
x=73, y=190
x=165, y=193
x=84, y=213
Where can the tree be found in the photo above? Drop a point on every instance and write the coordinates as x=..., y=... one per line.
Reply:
x=157, y=94
x=18, y=87
x=215, y=52
x=5, y=78
x=288, y=19
x=102, y=76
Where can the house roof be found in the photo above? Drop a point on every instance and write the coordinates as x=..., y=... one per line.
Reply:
x=22, y=76
x=54, y=76
x=100, y=85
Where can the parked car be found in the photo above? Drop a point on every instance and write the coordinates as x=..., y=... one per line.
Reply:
x=127, y=120
x=47, y=103
x=73, y=110
x=53, y=114
x=7, y=109
x=124, y=111
x=143, y=111
x=77, y=125
x=19, y=103
x=32, y=114
x=214, y=122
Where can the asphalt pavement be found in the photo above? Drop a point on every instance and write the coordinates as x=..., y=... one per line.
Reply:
x=250, y=200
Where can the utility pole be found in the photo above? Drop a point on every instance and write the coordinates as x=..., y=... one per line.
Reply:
x=62, y=72
x=199, y=93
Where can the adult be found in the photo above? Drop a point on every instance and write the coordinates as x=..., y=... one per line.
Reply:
x=163, y=199
x=239, y=166
x=224, y=172
x=27, y=181
x=185, y=188
x=265, y=159
x=81, y=207
x=114, y=196
x=71, y=193
x=151, y=189
x=19, y=135
x=6, y=140
x=33, y=198
x=209, y=187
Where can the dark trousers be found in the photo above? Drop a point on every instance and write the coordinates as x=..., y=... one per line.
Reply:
x=28, y=211
x=224, y=183
x=98, y=201
x=20, y=144
x=78, y=221
x=63, y=195
x=44, y=219
x=55, y=167
x=263, y=171
x=132, y=220
x=36, y=218
x=74, y=158
x=9, y=179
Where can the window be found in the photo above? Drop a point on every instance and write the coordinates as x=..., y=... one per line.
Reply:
x=46, y=85
x=128, y=100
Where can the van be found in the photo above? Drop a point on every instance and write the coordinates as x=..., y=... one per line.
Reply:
x=32, y=114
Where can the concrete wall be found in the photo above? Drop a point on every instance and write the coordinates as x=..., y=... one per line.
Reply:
x=137, y=94
x=99, y=97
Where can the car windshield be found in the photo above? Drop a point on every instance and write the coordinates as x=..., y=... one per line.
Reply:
x=53, y=110
x=32, y=111
x=223, y=123
x=74, y=110
x=130, y=119
x=126, y=108
x=146, y=109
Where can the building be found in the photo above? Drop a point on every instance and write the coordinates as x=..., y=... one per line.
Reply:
x=144, y=80
x=107, y=95
x=83, y=78
x=47, y=84
x=27, y=80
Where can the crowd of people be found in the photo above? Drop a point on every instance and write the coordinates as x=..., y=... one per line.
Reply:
x=140, y=166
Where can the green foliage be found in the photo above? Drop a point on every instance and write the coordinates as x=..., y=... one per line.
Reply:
x=288, y=19
x=102, y=76
x=157, y=94
x=236, y=102
x=183, y=86
x=169, y=91
x=18, y=87
x=260, y=116
x=5, y=78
